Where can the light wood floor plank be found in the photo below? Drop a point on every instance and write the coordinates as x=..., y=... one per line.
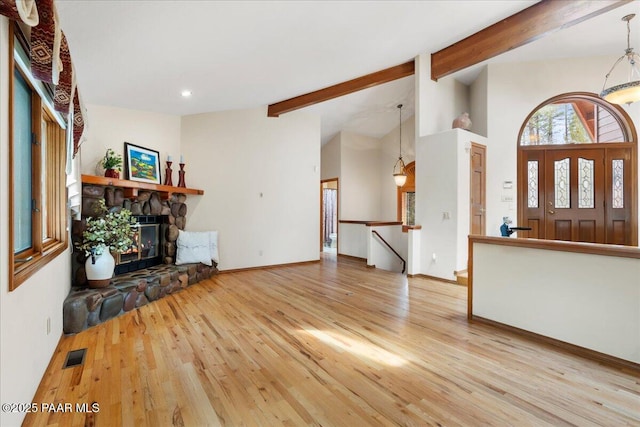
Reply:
x=331, y=344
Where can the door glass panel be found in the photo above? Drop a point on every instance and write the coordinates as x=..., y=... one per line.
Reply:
x=532, y=195
x=561, y=188
x=585, y=182
x=618, y=183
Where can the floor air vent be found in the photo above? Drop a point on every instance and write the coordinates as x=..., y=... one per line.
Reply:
x=75, y=358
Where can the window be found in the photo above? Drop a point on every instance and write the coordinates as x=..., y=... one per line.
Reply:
x=407, y=197
x=37, y=180
x=574, y=119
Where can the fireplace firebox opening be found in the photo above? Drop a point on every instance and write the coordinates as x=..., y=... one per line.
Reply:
x=146, y=250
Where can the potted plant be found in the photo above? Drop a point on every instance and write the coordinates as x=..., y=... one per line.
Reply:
x=112, y=164
x=108, y=231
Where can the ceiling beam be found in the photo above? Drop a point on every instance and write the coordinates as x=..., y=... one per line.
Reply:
x=517, y=30
x=340, y=89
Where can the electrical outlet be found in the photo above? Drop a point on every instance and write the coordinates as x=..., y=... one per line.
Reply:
x=433, y=257
x=260, y=252
x=48, y=325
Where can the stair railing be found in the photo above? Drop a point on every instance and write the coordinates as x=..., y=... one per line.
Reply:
x=404, y=263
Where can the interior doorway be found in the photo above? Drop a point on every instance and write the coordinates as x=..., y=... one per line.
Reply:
x=329, y=215
x=478, y=189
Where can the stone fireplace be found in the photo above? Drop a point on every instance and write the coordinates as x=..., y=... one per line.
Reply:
x=144, y=273
x=155, y=240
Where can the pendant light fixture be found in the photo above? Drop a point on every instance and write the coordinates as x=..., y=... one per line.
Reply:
x=399, y=169
x=628, y=92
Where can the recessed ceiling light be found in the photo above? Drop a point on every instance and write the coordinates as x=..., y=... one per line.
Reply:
x=186, y=93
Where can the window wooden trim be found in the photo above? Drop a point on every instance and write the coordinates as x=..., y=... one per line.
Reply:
x=408, y=187
x=42, y=250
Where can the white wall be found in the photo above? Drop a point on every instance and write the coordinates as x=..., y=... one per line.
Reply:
x=479, y=98
x=261, y=181
x=514, y=90
x=359, y=177
x=597, y=308
x=330, y=159
x=110, y=127
x=442, y=200
x=26, y=347
x=437, y=103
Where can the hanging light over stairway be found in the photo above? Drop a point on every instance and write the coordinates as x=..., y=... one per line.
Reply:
x=399, y=169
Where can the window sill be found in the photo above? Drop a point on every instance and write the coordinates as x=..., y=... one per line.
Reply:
x=22, y=271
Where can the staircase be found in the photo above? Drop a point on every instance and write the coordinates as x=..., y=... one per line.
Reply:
x=462, y=277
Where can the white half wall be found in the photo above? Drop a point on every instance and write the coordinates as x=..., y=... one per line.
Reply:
x=110, y=127
x=26, y=347
x=261, y=179
x=353, y=240
x=592, y=301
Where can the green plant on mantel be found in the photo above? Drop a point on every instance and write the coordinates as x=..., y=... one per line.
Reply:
x=108, y=229
x=112, y=160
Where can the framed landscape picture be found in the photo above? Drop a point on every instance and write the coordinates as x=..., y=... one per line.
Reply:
x=142, y=164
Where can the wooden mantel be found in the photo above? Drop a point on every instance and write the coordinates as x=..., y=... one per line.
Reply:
x=131, y=188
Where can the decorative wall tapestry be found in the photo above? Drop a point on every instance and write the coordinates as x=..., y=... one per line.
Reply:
x=64, y=89
x=25, y=10
x=45, y=44
x=51, y=60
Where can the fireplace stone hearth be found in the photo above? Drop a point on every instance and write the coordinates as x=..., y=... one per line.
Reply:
x=86, y=307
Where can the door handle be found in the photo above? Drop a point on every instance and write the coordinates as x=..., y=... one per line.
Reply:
x=551, y=212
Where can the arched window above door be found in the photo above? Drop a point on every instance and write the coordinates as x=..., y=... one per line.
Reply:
x=575, y=118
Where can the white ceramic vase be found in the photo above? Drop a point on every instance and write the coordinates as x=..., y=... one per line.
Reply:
x=99, y=269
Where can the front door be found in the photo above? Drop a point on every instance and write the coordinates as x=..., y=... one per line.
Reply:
x=582, y=194
x=575, y=195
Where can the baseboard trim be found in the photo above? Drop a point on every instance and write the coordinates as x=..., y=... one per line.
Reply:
x=586, y=353
x=355, y=258
x=439, y=279
x=268, y=267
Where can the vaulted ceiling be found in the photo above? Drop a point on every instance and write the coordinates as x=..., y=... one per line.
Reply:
x=244, y=54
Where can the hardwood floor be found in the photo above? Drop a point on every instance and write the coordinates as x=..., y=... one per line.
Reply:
x=330, y=343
